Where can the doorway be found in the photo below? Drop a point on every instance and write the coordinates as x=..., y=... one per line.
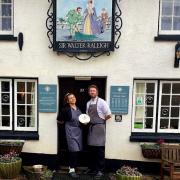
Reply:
x=79, y=87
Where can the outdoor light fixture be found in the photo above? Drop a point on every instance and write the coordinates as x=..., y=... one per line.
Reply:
x=177, y=55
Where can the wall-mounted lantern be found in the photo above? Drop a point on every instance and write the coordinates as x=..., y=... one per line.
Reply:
x=177, y=55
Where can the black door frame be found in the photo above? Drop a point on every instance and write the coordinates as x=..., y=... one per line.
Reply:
x=62, y=153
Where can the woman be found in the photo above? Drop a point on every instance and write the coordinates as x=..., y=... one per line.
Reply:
x=91, y=23
x=70, y=116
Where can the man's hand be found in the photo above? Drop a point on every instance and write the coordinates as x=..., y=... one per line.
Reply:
x=108, y=117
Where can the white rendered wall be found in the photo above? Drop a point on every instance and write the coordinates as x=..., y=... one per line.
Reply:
x=138, y=56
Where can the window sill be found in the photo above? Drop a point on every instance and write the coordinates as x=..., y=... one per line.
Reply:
x=167, y=38
x=8, y=38
x=153, y=137
x=19, y=135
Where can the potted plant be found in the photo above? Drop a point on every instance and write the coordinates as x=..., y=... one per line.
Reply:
x=152, y=150
x=10, y=165
x=11, y=146
x=128, y=173
x=47, y=175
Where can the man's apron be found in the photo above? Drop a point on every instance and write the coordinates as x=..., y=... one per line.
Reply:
x=97, y=128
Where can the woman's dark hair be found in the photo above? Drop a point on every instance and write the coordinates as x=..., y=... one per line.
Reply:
x=66, y=97
x=93, y=86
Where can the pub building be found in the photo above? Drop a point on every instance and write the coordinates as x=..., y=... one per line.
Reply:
x=140, y=80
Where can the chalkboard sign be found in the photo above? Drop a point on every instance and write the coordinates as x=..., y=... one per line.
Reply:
x=119, y=99
x=47, y=98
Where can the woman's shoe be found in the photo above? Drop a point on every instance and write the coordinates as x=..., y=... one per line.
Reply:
x=73, y=175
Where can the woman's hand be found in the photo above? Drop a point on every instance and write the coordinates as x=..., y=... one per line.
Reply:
x=60, y=122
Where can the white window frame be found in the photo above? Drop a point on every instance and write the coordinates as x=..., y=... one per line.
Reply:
x=134, y=106
x=159, y=110
x=12, y=21
x=15, y=106
x=167, y=32
x=10, y=127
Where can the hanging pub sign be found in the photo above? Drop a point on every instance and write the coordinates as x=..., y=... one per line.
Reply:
x=83, y=25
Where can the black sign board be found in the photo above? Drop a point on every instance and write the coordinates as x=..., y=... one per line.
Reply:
x=83, y=25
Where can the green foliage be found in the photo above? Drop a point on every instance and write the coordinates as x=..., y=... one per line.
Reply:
x=46, y=174
x=150, y=146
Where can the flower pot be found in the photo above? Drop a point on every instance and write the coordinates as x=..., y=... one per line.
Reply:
x=151, y=153
x=124, y=177
x=10, y=170
x=7, y=147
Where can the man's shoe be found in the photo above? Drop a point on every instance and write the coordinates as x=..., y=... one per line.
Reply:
x=73, y=175
x=90, y=172
x=99, y=175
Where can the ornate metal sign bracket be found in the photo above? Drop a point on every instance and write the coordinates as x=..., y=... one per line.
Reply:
x=88, y=55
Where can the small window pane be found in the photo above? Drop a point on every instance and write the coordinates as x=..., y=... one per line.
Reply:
x=30, y=110
x=166, y=88
x=176, y=88
x=167, y=8
x=21, y=98
x=139, y=100
x=5, y=86
x=5, y=1
x=175, y=100
x=150, y=87
x=174, y=123
x=149, y=123
x=140, y=88
x=149, y=111
x=5, y=98
x=21, y=121
x=166, y=23
x=176, y=23
x=20, y=110
x=164, y=111
x=165, y=100
x=177, y=9
x=30, y=99
x=139, y=112
x=30, y=87
x=5, y=109
x=30, y=121
x=175, y=112
x=138, y=124
x=164, y=123
x=5, y=121
x=20, y=87
x=6, y=9
x=150, y=100
x=6, y=24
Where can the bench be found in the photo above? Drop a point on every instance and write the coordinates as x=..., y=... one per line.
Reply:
x=170, y=161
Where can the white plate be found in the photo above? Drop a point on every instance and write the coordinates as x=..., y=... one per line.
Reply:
x=84, y=118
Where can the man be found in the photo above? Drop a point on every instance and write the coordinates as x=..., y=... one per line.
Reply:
x=99, y=112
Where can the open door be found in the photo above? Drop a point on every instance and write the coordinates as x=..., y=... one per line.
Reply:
x=79, y=87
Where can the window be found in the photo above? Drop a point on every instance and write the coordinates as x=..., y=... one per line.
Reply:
x=18, y=102
x=169, y=22
x=156, y=106
x=6, y=17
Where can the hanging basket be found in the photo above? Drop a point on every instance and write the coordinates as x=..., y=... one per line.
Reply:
x=10, y=170
x=151, y=153
x=7, y=146
x=124, y=177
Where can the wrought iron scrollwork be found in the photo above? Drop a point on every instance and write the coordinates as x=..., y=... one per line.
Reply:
x=118, y=23
x=86, y=56
x=49, y=24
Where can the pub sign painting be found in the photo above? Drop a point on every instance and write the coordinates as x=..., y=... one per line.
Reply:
x=83, y=25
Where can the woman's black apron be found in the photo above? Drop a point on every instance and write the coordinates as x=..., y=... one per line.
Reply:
x=74, y=132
